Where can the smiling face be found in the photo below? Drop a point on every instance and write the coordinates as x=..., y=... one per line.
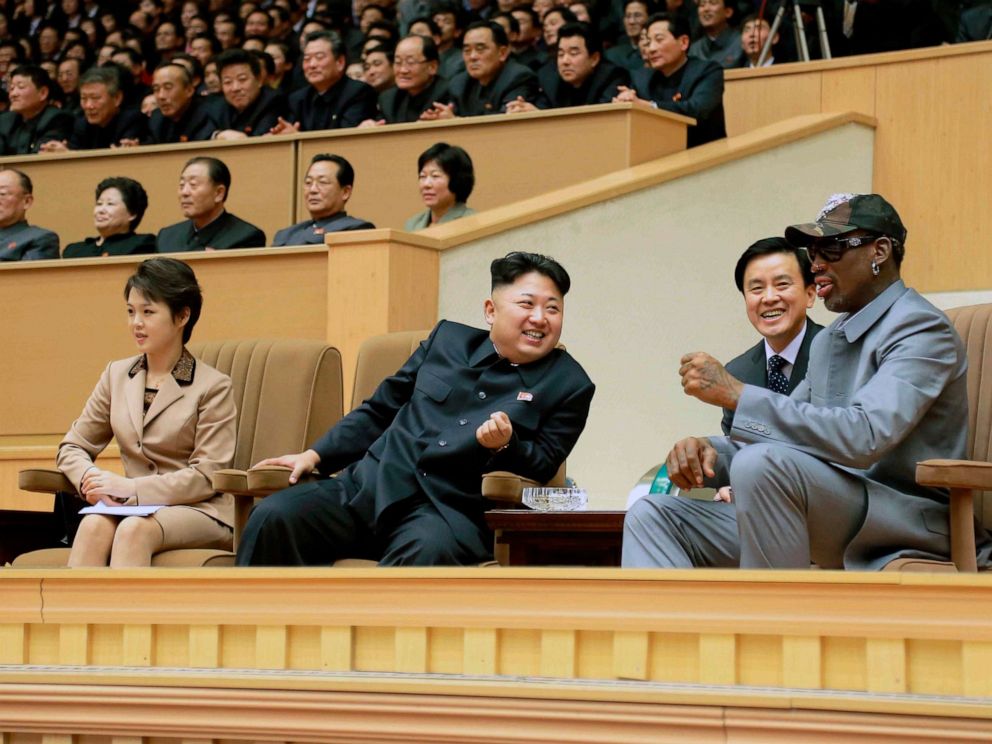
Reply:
x=26, y=98
x=525, y=318
x=434, y=188
x=377, y=71
x=111, y=215
x=320, y=67
x=14, y=200
x=240, y=86
x=155, y=331
x=713, y=16
x=776, y=298
x=98, y=105
x=413, y=72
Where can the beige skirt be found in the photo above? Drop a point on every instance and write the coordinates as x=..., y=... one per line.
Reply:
x=186, y=527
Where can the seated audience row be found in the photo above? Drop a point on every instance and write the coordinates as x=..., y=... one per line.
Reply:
x=817, y=469
x=446, y=178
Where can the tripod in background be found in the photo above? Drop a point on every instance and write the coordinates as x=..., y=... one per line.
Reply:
x=800, y=29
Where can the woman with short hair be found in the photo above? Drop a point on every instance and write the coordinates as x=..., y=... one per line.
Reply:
x=120, y=204
x=447, y=178
x=173, y=418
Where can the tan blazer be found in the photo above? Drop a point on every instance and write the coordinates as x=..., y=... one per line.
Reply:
x=172, y=452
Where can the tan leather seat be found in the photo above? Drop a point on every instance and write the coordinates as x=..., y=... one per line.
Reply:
x=287, y=391
x=970, y=481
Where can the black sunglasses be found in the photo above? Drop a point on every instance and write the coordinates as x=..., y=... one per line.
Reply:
x=833, y=250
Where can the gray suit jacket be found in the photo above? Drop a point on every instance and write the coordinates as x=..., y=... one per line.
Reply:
x=422, y=220
x=751, y=367
x=24, y=242
x=883, y=391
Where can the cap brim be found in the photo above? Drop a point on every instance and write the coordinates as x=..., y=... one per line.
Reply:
x=799, y=235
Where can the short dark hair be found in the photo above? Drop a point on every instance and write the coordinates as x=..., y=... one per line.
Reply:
x=346, y=174
x=133, y=55
x=677, y=25
x=25, y=180
x=190, y=60
x=386, y=27
x=513, y=265
x=338, y=47
x=109, y=75
x=233, y=57
x=428, y=48
x=535, y=19
x=499, y=33
x=265, y=60
x=382, y=48
x=214, y=43
x=511, y=21
x=132, y=192
x=587, y=32
x=646, y=3
x=566, y=15
x=456, y=164
x=268, y=19
x=217, y=171
x=766, y=246
x=434, y=28
x=171, y=281
x=36, y=74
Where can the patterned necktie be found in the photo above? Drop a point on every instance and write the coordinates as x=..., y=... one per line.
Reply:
x=777, y=382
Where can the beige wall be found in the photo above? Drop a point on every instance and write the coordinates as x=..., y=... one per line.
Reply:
x=932, y=149
x=652, y=279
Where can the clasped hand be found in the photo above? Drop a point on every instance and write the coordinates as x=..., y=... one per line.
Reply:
x=102, y=485
x=705, y=378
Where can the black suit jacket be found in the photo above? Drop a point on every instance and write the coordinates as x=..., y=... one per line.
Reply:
x=696, y=90
x=345, y=104
x=975, y=24
x=398, y=107
x=472, y=99
x=258, y=118
x=19, y=137
x=415, y=437
x=227, y=231
x=196, y=124
x=128, y=124
x=127, y=244
x=600, y=87
x=751, y=368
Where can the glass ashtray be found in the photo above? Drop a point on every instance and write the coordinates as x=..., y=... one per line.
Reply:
x=556, y=499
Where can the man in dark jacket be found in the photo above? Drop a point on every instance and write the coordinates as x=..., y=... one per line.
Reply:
x=491, y=79
x=691, y=87
x=102, y=122
x=203, y=188
x=332, y=100
x=418, y=85
x=20, y=241
x=583, y=76
x=410, y=459
x=250, y=107
x=326, y=190
x=182, y=116
x=32, y=120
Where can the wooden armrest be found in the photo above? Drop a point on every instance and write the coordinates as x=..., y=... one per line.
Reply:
x=44, y=480
x=230, y=481
x=968, y=474
x=505, y=487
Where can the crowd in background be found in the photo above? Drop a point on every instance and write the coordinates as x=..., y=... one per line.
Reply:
x=82, y=74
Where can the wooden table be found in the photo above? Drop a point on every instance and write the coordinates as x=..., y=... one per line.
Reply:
x=556, y=538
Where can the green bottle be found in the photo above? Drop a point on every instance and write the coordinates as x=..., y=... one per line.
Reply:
x=661, y=483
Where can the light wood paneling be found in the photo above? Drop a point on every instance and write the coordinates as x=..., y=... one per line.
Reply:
x=931, y=146
x=61, y=352
x=263, y=174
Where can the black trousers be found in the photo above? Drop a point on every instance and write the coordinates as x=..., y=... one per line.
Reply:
x=312, y=524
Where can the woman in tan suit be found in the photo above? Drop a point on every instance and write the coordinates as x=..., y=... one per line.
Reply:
x=174, y=421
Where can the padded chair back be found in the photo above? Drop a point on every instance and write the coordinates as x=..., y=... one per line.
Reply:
x=288, y=392
x=379, y=357
x=974, y=325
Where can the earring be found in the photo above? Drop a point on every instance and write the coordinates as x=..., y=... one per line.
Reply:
x=874, y=269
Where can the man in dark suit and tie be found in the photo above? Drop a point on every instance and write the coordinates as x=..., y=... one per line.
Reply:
x=827, y=474
x=410, y=459
x=777, y=285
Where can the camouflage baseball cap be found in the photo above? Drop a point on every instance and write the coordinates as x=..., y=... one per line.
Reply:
x=844, y=213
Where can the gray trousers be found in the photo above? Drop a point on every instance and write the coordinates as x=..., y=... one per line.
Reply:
x=790, y=509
